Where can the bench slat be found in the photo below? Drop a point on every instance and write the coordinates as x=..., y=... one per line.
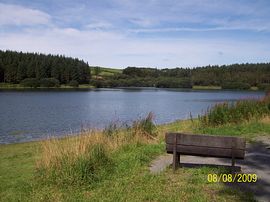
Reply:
x=206, y=151
x=206, y=140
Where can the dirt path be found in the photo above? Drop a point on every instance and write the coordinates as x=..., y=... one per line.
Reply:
x=257, y=160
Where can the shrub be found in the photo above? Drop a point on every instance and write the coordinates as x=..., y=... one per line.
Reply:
x=264, y=86
x=73, y=83
x=236, y=85
x=173, y=83
x=49, y=82
x=30, y=82
x=98, y=83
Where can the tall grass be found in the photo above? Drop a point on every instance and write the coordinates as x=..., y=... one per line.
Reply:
x=241, y=111
x=145, y=126
x=74, y=160
x=86, y=159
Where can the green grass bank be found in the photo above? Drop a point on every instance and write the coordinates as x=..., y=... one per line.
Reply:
x=21, y=87
x=30, y=171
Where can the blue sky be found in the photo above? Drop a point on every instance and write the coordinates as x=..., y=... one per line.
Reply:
x=155, y=33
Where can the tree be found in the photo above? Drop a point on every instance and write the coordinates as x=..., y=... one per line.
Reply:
x=17, y=66
x=49, y=82
x=21, y=73
x=97, y=71
x=73, y=83
x=2, y=74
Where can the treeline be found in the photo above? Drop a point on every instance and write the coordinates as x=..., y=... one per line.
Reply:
x=236, y=76
x=33, y=69
x=123, y=81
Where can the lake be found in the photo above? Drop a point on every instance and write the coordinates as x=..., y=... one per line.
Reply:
x=34, y=115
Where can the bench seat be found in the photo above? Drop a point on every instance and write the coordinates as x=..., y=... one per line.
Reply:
x=204, y=145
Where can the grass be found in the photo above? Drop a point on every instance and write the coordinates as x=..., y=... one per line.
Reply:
x=207, y=87
x=248, y=130
x=254, y=88
x=62, y=86
x=239, y=112
x=17, y=165
x=217, y=88
x=86, y=159
x=10, y=85
x=58, y=170
x=111, y=70
x=137, y=184
x=84, y=86
x=108, y=72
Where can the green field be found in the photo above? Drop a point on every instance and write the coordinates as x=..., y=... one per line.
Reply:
x=128, y=178
x=105, y=71
x=109, y=71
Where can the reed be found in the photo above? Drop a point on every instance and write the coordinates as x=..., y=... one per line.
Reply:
x=241, y=111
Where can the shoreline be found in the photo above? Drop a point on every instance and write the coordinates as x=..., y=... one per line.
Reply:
x=89, y=88
x=186, y=124
x=75, y=134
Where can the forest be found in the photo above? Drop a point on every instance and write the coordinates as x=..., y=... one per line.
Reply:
x=236, y=76
x=40, y=70
x=33, y=69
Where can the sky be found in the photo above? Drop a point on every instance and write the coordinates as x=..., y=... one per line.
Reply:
x=145, y=33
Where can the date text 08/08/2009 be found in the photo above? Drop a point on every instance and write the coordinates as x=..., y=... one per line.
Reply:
x=240, y=178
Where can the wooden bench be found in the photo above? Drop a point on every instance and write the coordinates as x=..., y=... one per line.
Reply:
x=204, y=145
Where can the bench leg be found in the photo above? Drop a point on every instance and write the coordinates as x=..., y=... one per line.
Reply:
x=178, y=160
x=233, y=162
x=175, y=164
x=233, y=155
x=175, y=155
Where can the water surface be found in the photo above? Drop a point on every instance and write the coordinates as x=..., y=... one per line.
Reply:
x=34, y=115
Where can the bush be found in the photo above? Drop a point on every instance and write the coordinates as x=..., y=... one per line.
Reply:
x=173, y=83
x=49, y=82
x=236, y=85
x=98, y=83
x=30, y=82
x=73, y=83
x=264, y=86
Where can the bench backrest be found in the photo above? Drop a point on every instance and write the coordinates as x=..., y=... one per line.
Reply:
x=206, y=145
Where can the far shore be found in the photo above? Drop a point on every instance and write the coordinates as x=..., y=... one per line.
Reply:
x=19, y=87
x=8, y=86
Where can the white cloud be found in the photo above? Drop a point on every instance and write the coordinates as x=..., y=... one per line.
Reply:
x=143, y=22
x=106, y=36
x=99, y=25
x=114, y=49
x=229, y=27
x=19, y=15
x=173, y=15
